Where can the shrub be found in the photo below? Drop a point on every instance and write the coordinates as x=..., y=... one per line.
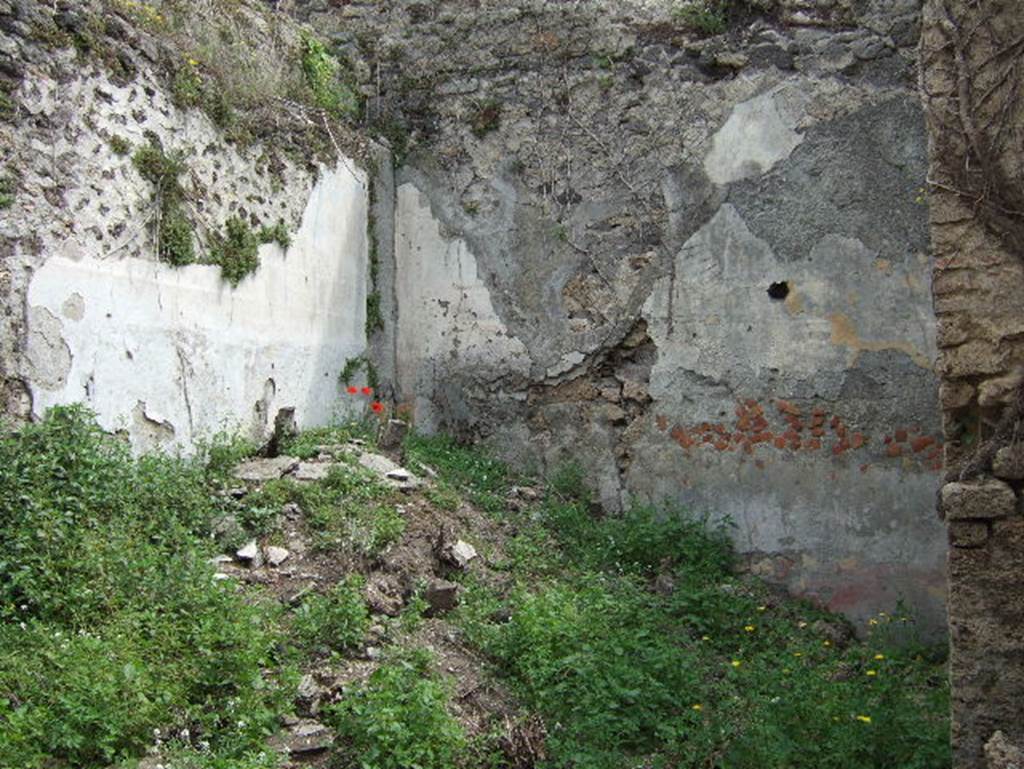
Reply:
x=119, y=145
x=277, y=234
x=399, y=718
x=111, y=624
x=236, y=251
x=322, y=76
x=174, y=230
x=335, y=621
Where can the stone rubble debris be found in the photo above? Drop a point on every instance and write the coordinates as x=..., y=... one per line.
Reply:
x=261, y=470
x=250, y=554
x=276, y=555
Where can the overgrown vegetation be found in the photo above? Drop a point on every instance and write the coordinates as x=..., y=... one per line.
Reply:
x=713, y=17
x=112, y=629
x=333, y=622
x=485, y=118
x=639, y=646
x=399, y=718
x=374, y=318
x=8, y=187
x=323, y=75
x=175, y=242
x=236, y=250
x=630, y=636
x=352, y=368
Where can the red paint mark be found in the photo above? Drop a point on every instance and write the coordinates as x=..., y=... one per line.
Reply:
x=794, y=444
x=760, y=424
x=920, y=444
x=722, y=445
x=900, y=436
x=857, y=440
x=680, y=436
x=818, y=432
x=720, y=429
x=813, y=444
x=738, y=437
x=895, y=450
x=785, y=407
x=780, y=443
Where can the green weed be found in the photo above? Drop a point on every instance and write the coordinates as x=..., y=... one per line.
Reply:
x=322, y=73
x=399, y=718
x=236, y=251
x=174, y=230
x=485, y=480
x=336, y=621
x=111, y=624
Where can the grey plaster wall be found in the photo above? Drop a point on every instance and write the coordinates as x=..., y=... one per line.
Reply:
x=592, y=209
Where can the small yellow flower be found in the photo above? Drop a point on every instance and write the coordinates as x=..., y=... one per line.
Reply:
x=871, y=673
x=879, y=656
x=193, y=63
x=872, y=621
x=736, y=663
x=826, y=642
x=762, y=608
x=865, y=719
x=698, y=707
x=749, y=628
x=705, y=638
x=801, y=624
x=798, y=654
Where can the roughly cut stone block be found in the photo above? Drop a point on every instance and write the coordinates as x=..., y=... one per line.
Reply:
x=977, y=500
x=312, y=471
x=441, y=596
x=250, y=554
x=968, y=534
x=1009, y=464
x=276, y=555
x=259, y=470
x=1000, y=753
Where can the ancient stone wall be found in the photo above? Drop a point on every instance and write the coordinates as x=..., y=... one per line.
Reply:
x=972, y=75
x=167, y=354
x=696, y=266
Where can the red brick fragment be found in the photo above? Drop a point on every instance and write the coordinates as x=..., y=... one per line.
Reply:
x=920, y=444
x=857, y=440
x=900, y=436
x=895, y=450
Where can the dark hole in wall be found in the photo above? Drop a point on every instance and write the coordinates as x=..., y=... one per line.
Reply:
x=778, y=291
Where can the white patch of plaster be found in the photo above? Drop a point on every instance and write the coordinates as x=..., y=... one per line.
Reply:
x=446, y=313
x=758, y=134
x=196, y=351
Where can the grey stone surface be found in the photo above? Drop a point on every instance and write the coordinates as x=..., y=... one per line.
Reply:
x=1009, y=463
x=259, y=470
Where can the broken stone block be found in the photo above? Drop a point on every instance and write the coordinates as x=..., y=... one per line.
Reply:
x=384, y=596
x=968, y=534
x=977, y=500
x=260, y=470
x=395, y=475
x=1000, y=753
x=306, y=736
x=307, y=696
x=441, y=596
x=311, y=471
x=392, y=434
x=1009, y=463
x=249, y=554
x=275, y=555
x=458, y=553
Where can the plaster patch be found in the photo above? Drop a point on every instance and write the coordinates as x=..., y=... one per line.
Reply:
x=73, y=307
x=47, y=354
x=758, y=134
